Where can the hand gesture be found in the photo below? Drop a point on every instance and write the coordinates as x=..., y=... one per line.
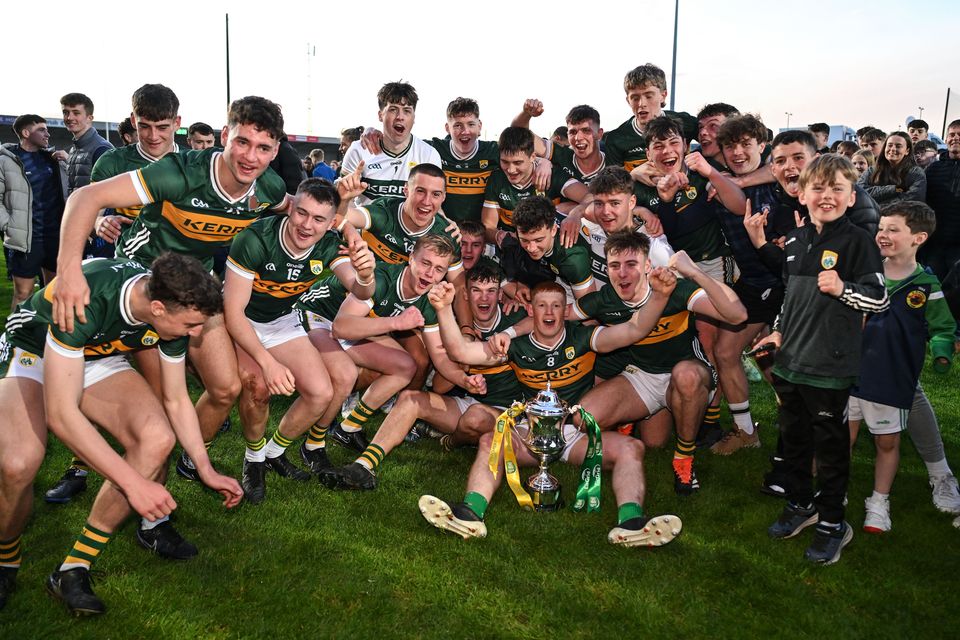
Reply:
x=647, y=173
x=441, y=295
x=696, y=162
x=361, y=257
x=754, y=223
x=150, y=499
x=499, y=345
x=352, y=185
x=668, y=186
x=651, y=222
x=410, y=318
x=71, y=295
x=532, y=107
x=476, y=384
x=109, y=227
x=278, y=378
x=774, y=338
x=683, y=264
x=453, y=229
x=662, y=280
x=370, y=140
x=542, y=174
x=570, y=230
x=830, y=283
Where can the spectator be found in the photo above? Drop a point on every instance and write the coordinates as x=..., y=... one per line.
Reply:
x=88, y=145
x=821, y=133
x=925, y=153
x=307, y=164
x=861, y=131
x=896, y=176
x=918, y=130
x=873, y=140
x=863, y=160
x=560, y=137
x=320, y=168
x=348, y=137
x=942, y=251
x=200, y=136
x=128, y=133
x=847, y=148
x=287, y=165
x=33, y=190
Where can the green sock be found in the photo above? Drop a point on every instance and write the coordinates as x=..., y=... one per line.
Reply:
x=10, y=551
x=357, y=418
x=684, y=448
x=317, y=438
x=628, y=511
x=86, y=549
x=476, y=502
x=712, y=415
x=371, y=457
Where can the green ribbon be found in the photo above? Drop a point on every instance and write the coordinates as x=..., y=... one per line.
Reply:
x=588, y=491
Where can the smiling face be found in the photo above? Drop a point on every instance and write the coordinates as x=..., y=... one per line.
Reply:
x=827, y=200
x=859, y=163
x=247, y=152
x=482, y=297
x=787, y=163
x=35, y=136
x=76, y=119
x=518, y=167
x=614, y=211
x=646, y=102
x=471, y=248
x=707, y=135
x=895, y=238
x=953, y=142
x=896, y=149
x=171, y=322
x=548, y=310
x=427, y=268
x=538, y=242
x=464, y=131
x=425, y=195
x=397, y=119
x=743, y=155
x=156, y=137
x=628, y=271
x=584, y=138
x=667, y=155
x=306, y=223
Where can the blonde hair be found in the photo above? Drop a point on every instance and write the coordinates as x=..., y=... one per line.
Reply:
x=824, y=169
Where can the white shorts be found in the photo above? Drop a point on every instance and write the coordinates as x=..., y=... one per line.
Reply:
x=466, y=402
x=23, y=364
x=651, y=387
x=722, y=269
x=571, y=435
x=881, y=419
x=310, y=321
x=284, y=329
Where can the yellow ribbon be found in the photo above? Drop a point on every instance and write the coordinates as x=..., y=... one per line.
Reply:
x=503, y=439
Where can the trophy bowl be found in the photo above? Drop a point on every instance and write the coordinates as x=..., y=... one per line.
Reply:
x=543, y=436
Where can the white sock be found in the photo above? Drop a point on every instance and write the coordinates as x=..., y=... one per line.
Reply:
x=741, y=416
x=880, y=496
x=146, y=525
x=254, y=456
x=272, y=450
x=939, y=468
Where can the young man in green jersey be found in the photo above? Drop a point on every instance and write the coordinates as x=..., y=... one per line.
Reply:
x=193, y=204
x=491, y=390
x=271, y=263
x=667, y=369
x=561, y=353
x=71, y=380
x=155, y=118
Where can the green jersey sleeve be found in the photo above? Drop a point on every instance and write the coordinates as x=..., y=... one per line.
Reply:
x=165, y=179
x=941, y=326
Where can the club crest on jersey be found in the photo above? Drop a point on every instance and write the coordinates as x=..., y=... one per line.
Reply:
x=411, y=165
x=252, y=202
x=483, y=164
x=570, y=352
x=690, y=192
x=27, y=359
x=316, y=267
x=916, y=299
x=149, y=339
x=828, y=260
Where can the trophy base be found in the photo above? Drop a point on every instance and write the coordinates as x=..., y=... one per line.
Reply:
x=547, y=500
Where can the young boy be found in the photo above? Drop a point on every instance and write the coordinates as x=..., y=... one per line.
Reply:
x=833, y=275
x=894, y=346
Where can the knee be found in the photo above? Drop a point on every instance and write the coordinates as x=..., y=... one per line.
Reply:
x=155, y=438
x=887, y=444
x=485, y=441
x=636, y=449
x=317, y=398
x=474, y=425
x=343, y=379
x=19, y=468
x=726, y=354
x=253, y=391
x=407, y=368
x=654, y=440
x=687, y=378
x=225, y=392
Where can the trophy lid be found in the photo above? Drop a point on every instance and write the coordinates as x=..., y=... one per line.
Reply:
x=547, y=403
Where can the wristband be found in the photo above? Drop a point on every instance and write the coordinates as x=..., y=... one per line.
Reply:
x=510, y=331
x=367, y=283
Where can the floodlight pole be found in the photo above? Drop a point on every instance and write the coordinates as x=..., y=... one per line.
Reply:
x=946, y=107
x=673, y=70
x=227, y=25
x=788, y=114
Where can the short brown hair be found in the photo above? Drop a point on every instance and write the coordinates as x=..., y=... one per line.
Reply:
x=739, y=127
x=918, y=215
x=645, y=74
x=441, y=245
x=622, y=241
x=263, y=114
x=824, y=169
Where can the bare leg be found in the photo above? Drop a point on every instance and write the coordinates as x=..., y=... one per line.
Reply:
x=23, y=442
x=477, y=420
x=213, y=355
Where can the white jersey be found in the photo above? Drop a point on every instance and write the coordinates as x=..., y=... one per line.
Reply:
x=660, y=250
x=386, y=173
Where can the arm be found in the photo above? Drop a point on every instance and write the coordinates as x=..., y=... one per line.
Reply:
x=729, y=193
x=457, y=347
x=63, y=389
x=760, y=175
x=357, y=275
x=915, y=185
x=353, y=321
x=941, y=328
x=349, y=186
x=490, y=216
x=441, y=361
x=643, y=321
x=183, y=419
x=867, y=291
x=721, y=302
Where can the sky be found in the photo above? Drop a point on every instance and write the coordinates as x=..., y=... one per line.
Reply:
x=855, y=64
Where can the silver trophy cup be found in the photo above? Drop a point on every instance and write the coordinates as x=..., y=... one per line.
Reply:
x=543, y=437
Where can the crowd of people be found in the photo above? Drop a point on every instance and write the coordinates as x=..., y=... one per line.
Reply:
x=428, y=284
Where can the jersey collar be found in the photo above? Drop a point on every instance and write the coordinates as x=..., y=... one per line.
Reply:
x=412, y=234
x=220, y=191
x=149, y=158
x=563, y=336
x=283, y=245
x=400, y=289
x=476, y=147
x=588, y=176
x=493, y=323
x=400, y=154
x=125, y=291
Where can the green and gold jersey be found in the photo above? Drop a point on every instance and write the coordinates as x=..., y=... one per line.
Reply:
x=110, y=328
x=627, y=146
x=565, y=158
x=258, y=253
x=672, y=340
x=503, y=197
x=568, y=366
x=325, y=297
x=502, y=384
x=466, y=177
x=571, y=265
x=187, y=211
x=390, y=239
x=705, y=241
x=121, y=160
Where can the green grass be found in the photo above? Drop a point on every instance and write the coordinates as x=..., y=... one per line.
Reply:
x=313, y=563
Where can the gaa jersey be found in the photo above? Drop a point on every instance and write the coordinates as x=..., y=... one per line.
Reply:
x=386, y=173
x=121, y=160
x=110, y=328
x=568, y=366
x=503, y=388
x=672, y=340
x=391, y=240
x=325, y=297
x=187, y=211
x=627, y=145
x=566, y=159
x=258, y=253
x=660, y=250
x=503, y=197
x=692, y=223
x=466, y=177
